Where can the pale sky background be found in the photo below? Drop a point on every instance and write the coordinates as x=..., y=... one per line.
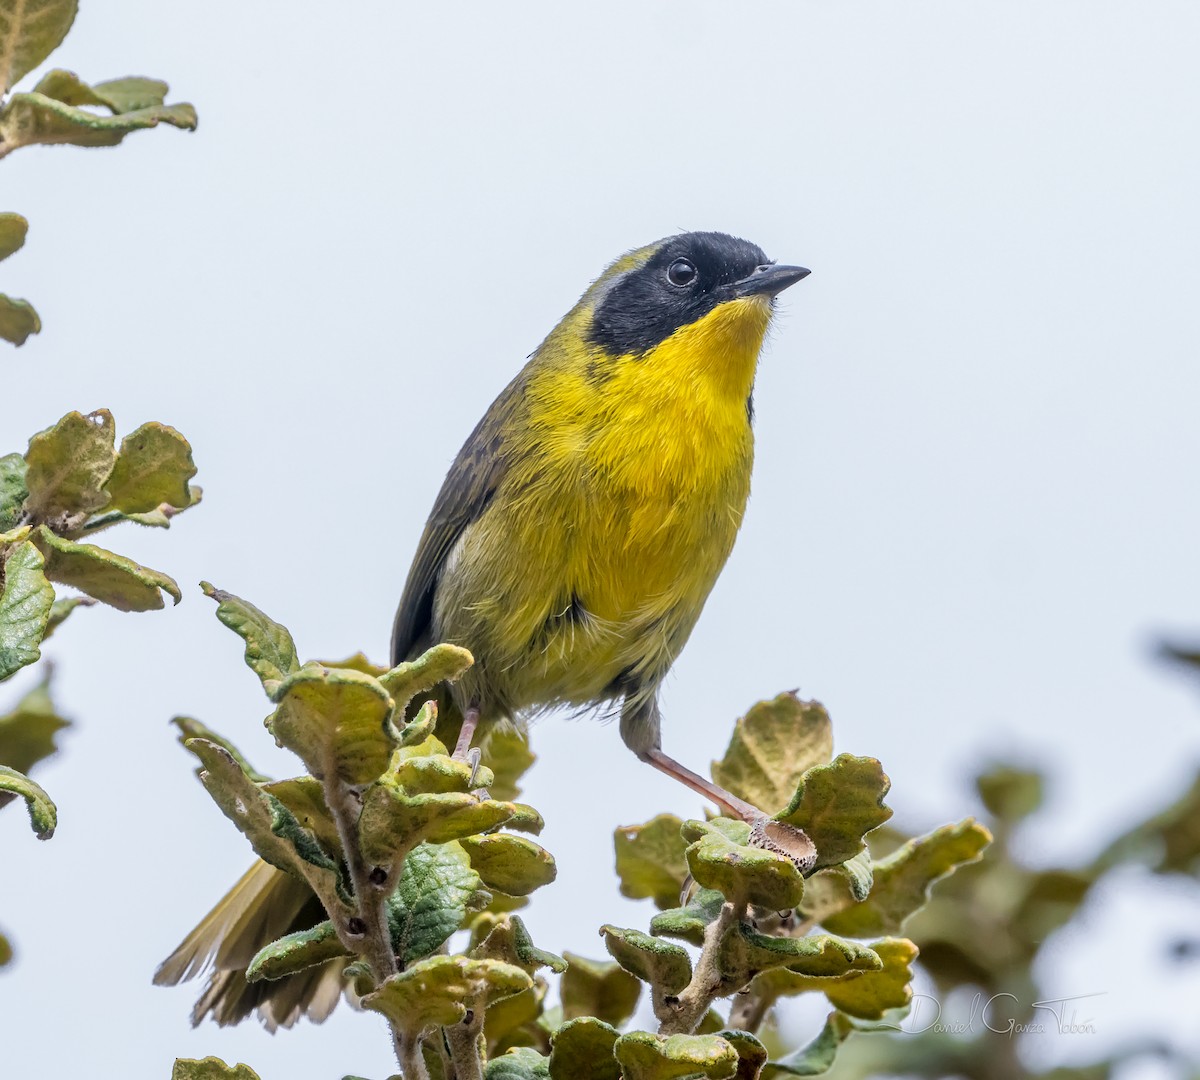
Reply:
x=974, y=501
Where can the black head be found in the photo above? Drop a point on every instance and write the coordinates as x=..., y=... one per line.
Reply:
x=683, y=279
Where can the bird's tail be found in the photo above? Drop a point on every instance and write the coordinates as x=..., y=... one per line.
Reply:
x=264, y=905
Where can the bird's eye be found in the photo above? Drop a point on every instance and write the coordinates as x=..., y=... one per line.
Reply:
x=681, y=272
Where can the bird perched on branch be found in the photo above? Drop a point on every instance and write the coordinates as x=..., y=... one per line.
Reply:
x=571, y=548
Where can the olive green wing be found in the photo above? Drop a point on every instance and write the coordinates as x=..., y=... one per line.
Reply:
x=466, y=492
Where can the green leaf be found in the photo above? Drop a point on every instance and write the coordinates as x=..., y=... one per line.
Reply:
x=904, y=878
x=1168, y=843
x=270, y=650
x=42, y=813
x=508, y=755
x=435, y=991
x=337, y=720
x=13, y=228
x=752, y=1055
x=153, y=468
x=688, y=923
x=744, y=952
x=1010, y=793
x=270, y=827
x=520, y=1063
x=815, y=1058
x=583, y=1050
x=837, y=887
x=720, y=857
x=6, y=951
x=68, y=465
x=25, y=603
x=837, y=805
x=656, y=1057
x=872, y=995
x=110, y=578
x=772, y=747
x=30, y=119
x=27, y=733
x=512, y=864
x=18, y=320
x=13, y=491
x=190, y=728
x=30, y=30
x=598, y=989
x=296, y=952
x=116, y=95
x=436, y=891
x=651, y=860
x=509, y=941
x=442, y=663
x=666, y=967
x=210, y=1068
x=61, y=610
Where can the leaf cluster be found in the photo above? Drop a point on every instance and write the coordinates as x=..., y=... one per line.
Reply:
x=63, y=110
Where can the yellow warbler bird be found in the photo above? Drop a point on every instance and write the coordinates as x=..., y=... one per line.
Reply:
x=572, y=547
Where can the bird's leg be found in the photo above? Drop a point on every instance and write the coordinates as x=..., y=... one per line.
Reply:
x=765, y=832
x=463, y=750
x=726, y=800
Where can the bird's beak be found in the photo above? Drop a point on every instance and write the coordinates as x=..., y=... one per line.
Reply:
x=769, y=280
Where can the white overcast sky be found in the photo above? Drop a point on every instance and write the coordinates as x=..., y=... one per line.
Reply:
x=974, y=503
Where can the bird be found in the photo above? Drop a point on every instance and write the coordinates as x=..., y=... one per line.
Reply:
x=571, y=548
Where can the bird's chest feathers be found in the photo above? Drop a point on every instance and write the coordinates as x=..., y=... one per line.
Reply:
x=650, y=458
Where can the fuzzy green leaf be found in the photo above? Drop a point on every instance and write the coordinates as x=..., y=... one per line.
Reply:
x=296, y=952
x=30, y=119
x=838, y=887
x=337, y=720
x=815, y=1058
x=583, y=1050
x=508, y=755
x=666, y=967
x=720, y=857
x=153, y=468
x=1010, y=793
x=270, y=827
x=190, y=728
x=25, y=604
x=837, y=805
x=744, y=952
x=513, y=864
x=435, y=991
x=442, y=663
x=436, y=891
x=689, y=922
x=752, y=1055
x=116, y=95
x=520, y=1063
x=110, y=578
x=43, y=815
x=651, y=860
x=13, y=491
x=599, y=989
x=62, y=609
x=873, y=994
x=27, y=733
x=30, y=30
x=509, y=941
x=270, y=650
x=210, y=1068
x=13, y=228
x=772, y=747
x=18, y=320
x=657, y=1057
x=904, y=878
x=68, y=465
